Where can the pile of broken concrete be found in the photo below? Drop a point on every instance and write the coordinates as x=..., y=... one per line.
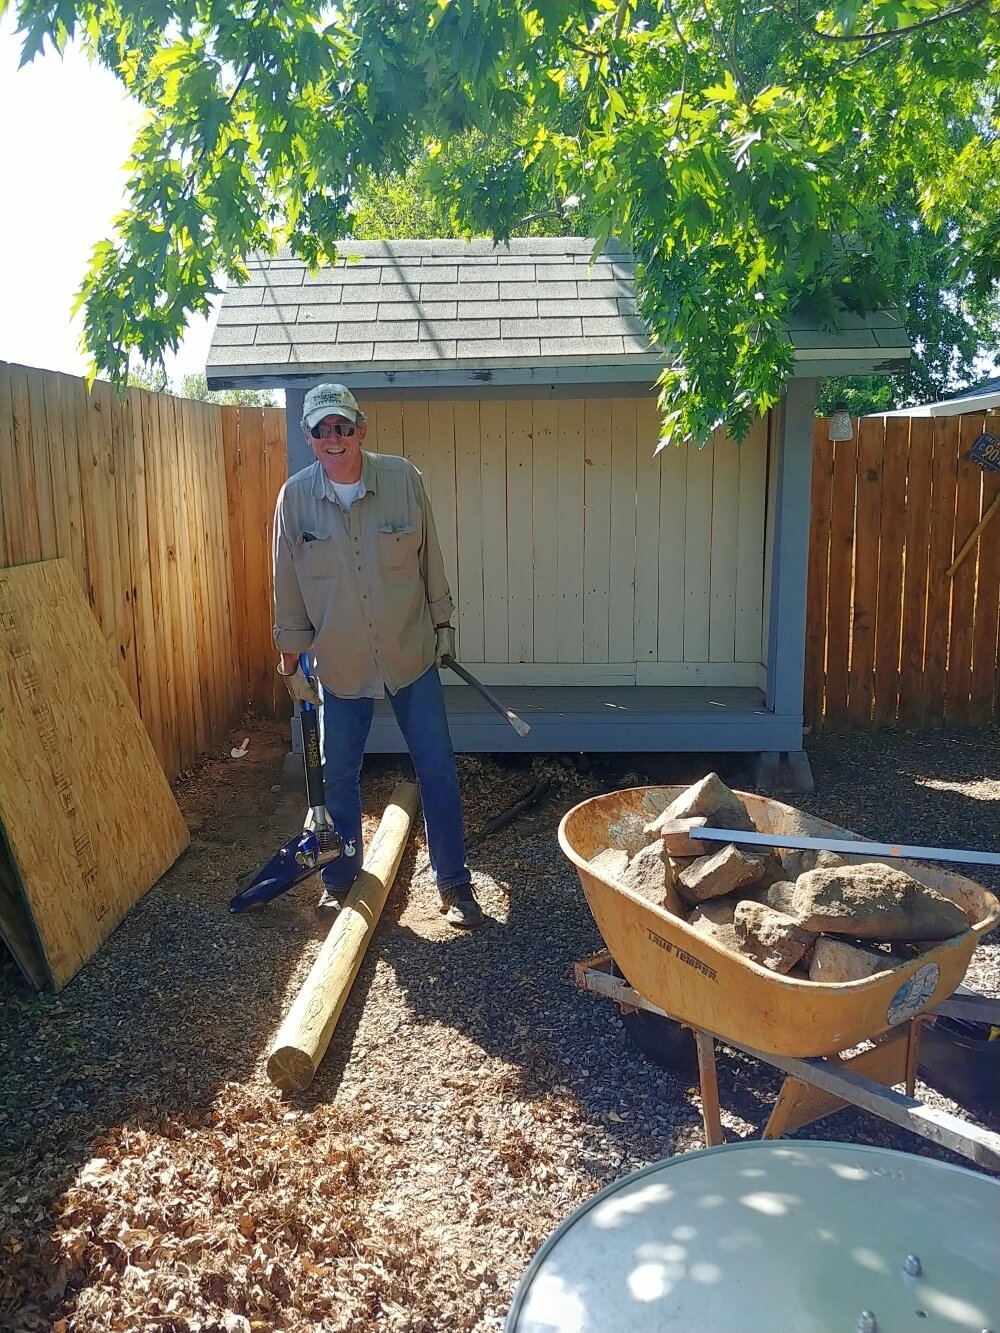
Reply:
x=805, y=914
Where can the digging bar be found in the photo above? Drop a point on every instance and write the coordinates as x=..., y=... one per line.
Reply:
x=519, y=724
x=895, y=851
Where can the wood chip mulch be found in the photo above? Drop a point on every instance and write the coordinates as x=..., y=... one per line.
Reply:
x=152, y=1178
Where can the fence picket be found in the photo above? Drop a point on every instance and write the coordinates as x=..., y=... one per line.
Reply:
x=963, y=582
x=861, y=686
x=892, y=524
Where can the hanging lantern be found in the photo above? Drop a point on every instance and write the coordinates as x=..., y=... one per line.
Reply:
x=841, y=427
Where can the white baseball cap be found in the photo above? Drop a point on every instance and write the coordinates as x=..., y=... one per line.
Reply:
x=325, y=400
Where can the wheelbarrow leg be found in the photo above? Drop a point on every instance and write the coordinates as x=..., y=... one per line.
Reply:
x=709, y=1080
x=912, y=1054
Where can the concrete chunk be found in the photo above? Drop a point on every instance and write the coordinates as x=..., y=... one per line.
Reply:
x=676, y=835
x=715, y=920
x=723, y=872
x=868, y=901
x=772, y=938
x=836, y=960
x=710, y=797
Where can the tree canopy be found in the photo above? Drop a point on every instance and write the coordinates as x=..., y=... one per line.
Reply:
x=747, y=154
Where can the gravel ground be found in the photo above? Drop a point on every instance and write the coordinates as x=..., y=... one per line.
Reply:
x=151, y=1177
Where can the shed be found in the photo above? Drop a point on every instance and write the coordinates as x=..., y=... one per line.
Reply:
x=623, y=600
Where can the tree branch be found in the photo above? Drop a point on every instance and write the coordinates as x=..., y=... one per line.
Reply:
x=885, y=35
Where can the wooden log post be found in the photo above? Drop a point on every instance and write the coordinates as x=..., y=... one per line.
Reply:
x=309, y=1025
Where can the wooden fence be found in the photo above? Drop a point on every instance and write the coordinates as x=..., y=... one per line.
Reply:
x=157, y=504
x=891, y=640
x=163, y=507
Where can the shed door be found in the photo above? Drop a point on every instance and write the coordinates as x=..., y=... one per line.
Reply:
x=575, y=555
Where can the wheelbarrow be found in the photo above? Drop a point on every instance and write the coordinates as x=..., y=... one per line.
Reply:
x=801, y=1027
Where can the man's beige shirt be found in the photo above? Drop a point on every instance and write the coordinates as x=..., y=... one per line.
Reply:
x=360, y=589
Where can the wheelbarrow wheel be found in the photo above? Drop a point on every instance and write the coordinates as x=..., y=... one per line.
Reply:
x=663, y=1042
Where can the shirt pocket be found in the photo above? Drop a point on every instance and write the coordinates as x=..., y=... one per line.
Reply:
x=397, y=546
x=315, y=556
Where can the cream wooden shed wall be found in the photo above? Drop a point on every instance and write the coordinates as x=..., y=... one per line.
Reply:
x=579, y=556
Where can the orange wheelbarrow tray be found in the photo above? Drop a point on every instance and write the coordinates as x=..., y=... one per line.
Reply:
x=798, y=1026
x=707, y=986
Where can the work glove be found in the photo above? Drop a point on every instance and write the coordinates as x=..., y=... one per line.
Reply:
x=445, y=643
x=299, y=686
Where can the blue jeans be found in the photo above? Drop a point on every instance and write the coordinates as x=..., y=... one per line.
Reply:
x=420, y=712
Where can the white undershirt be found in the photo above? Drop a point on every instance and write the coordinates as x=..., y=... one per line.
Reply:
x=344, y=492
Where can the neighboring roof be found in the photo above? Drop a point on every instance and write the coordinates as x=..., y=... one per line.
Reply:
x=983, y=397
x=401, y=313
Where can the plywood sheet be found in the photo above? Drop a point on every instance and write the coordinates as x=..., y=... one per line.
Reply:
x=86, y=811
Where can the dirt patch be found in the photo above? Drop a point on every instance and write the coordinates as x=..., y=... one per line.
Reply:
x=151, y=1177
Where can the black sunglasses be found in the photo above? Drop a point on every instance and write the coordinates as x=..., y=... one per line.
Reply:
x=322, y=431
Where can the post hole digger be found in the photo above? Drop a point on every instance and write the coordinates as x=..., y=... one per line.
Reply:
x=320, y=842
x=317, y=845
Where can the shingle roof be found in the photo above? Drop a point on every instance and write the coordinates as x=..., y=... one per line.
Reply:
x=389, y=307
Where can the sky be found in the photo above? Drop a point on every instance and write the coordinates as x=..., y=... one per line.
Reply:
x=67, y=130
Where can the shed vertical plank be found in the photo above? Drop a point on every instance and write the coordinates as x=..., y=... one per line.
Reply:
x=25, y=491
x=43, y=445
x=569, y=530
x=469, y=488
x=147, y=661
x=441, y=428
x=621, y=609
x=752, y=503
x=371, y=421
x=233, y=473
x=545, y=506
x=944, y=486
x=698, y=552
x=838, y=642
x=648, y=472
x=153, y=444
x=919, y=472
x=390, y=428
x=890, y=571
x=725, y=548
x=598, y=485
x=416, y=441
x=493, y=443
x=520, y=565
x=985, y=647
x=10, y=516
x=861, y=682
x=968, y=508
x=673, y=526
x=773, y=427
x=273, y=473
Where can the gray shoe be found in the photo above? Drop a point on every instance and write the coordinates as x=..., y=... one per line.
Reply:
x=460, y=907
x=331, y=900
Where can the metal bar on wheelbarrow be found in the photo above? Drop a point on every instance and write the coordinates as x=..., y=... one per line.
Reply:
x=519, y=725
x=981, y=1146
x=848, y=847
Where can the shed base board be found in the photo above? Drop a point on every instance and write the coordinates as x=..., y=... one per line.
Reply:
x=608, y=719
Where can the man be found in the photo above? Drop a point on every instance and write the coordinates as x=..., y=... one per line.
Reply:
x=359, y=583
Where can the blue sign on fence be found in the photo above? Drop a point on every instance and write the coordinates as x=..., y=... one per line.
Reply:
x=986, y=452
